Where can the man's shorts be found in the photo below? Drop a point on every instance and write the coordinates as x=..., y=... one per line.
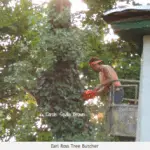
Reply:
x=117, y=95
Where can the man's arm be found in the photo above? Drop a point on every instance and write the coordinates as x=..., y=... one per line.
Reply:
x=98, y=87
x=107, y=82
x=100, y=91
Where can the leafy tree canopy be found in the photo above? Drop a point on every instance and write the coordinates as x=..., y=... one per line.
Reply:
x=43, y=55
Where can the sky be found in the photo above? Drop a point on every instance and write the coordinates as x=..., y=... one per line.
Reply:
x=78, y=5
x=143, y=1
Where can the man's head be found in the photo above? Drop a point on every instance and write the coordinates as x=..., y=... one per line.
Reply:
x=95, y=64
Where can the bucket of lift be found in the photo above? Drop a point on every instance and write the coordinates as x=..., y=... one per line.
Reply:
x=122, y=118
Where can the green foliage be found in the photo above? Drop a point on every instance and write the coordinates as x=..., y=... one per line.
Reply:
x=96, y=10
x=18, y=34
x=42, y=55
x=21, y=119
x=59, y=88
x=47, y=68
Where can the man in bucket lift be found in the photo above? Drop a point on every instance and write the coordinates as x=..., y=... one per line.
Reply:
x=108, y=77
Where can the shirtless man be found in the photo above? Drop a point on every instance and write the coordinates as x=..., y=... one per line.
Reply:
x=108, y=77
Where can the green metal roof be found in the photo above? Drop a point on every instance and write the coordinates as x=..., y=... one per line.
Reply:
x=130, y=24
